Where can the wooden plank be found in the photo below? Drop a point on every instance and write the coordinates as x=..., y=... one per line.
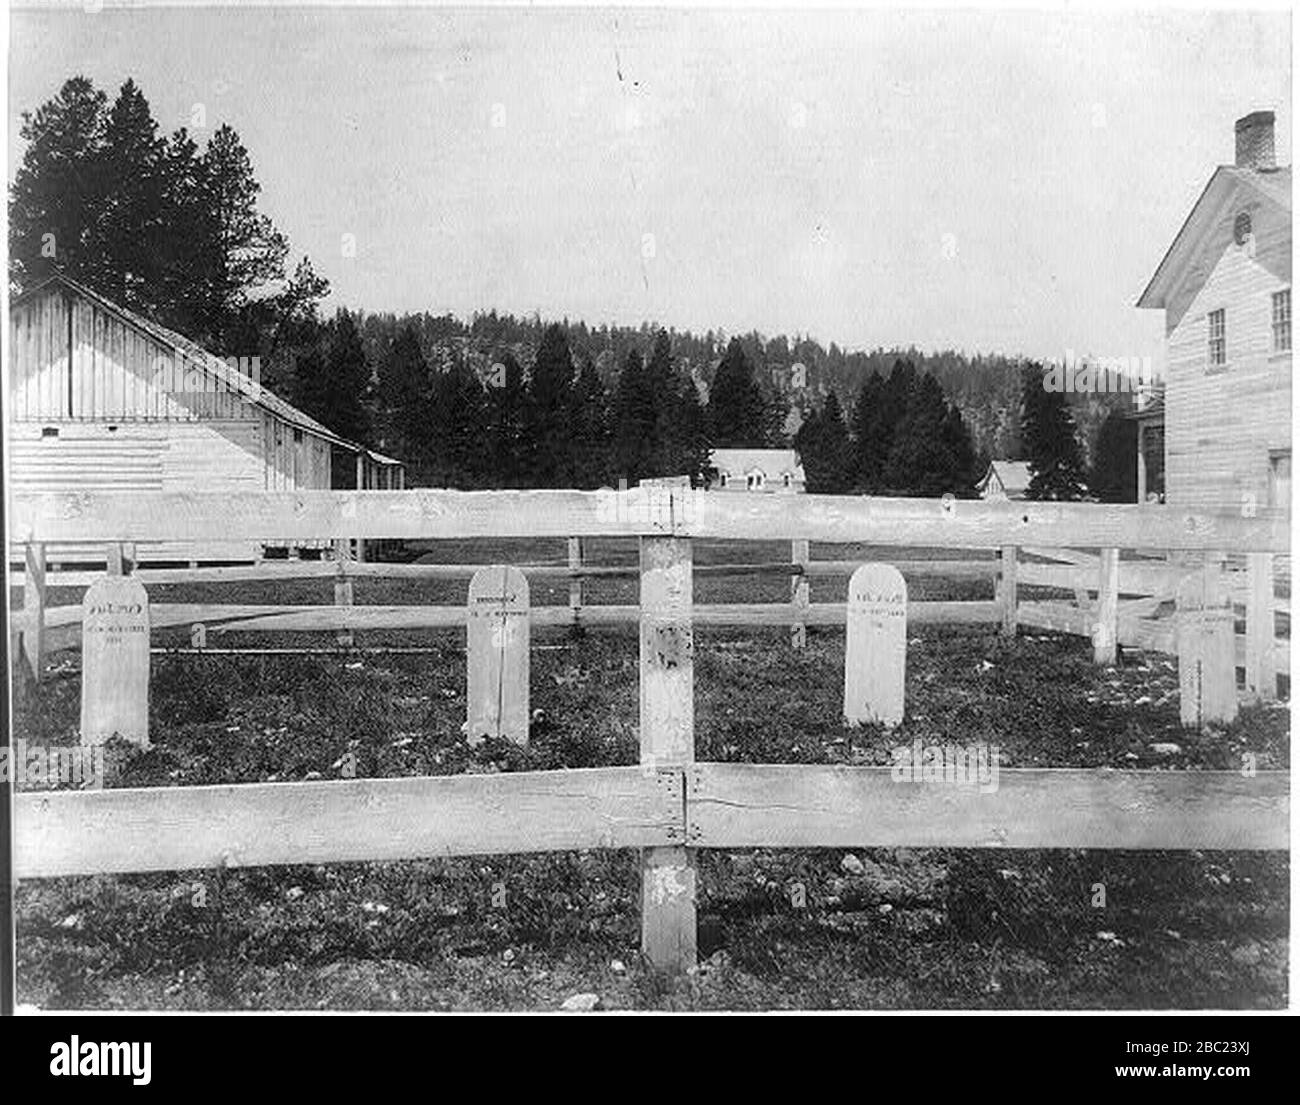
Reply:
x=939, y=569
x=575, y=581
x=276, y=570
x=33, y=633
x=180, y=828
x=343, y=594
x=305, y=515
x=801, y=806
x=1074, y=557
x=238, y=618
x=799, y=593
x=1207, y=674
x=875, y=647
x=667, y=672
x=1134, y=579
x=1105, y=631
x=1007, y=584
x=1261, y=676
x=115, y=662
x=497, y=668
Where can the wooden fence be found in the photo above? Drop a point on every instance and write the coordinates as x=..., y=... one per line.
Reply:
x=669, y=806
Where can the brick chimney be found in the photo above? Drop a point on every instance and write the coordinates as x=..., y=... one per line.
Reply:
x=1255, y=141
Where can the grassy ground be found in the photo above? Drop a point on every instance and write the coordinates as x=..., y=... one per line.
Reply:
x=791, y=929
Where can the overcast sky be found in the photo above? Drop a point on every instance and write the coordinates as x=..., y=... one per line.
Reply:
x=984, y=181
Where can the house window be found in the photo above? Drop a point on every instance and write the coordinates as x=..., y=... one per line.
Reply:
x=1218, y=338
x=722, y=479
x=785, y=479
x=1279, y=479
x=50, y=431
x=1282, y=321
x=297, y=437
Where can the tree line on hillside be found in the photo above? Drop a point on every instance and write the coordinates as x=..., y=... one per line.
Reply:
x=901, y=437
x=174, y=231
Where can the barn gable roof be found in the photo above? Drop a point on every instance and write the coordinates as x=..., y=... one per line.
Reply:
x=248, y=388
x=1273, y=186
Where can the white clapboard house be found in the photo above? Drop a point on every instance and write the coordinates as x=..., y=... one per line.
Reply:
x=1225, y=288
x=104, y=399
x=755, y=470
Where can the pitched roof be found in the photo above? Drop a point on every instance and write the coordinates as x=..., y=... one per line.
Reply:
x=244, y=385
x=1014, y=475
x=769, y=461
x=1273, y=185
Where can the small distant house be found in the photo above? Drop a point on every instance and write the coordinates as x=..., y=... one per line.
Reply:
x=1225, y=289
x=768, y=471
x=1005, y=479
x=101, y=398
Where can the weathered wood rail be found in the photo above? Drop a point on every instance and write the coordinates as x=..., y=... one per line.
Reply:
x=669, y=805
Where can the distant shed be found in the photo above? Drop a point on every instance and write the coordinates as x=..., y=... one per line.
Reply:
x=1005, y=479
x=102, y=398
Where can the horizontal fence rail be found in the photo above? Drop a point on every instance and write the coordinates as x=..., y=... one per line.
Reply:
x=703, y=805
x=669, y=806
x=263, y=824
x=306, y=515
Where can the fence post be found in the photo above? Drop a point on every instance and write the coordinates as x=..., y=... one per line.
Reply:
x=33, y=639
x=1105, y=634
x=343, y=589
x=799, y=594
x=575, y=582
x=1261, y=671
x=115, y=559
x=1007, y=590
x=667, y=741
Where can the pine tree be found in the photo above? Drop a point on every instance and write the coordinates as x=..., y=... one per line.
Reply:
x=405, y=393
x=919, y=461
x=505, y=425
x=694, y=443
x=57, y=198
x=737, y=410
x=135, y=221
x=825, y=450
x=1114, y=467
x=547, y=437
x=456, y=419
x=1049, y=440
x=634, y=421
x=589, y=421
x=238, y=251
x=870, y=443
x=347, y=375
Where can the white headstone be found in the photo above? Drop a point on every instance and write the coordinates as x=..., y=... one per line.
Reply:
x=875, y=649
x=497, y=658
x=115, y=661
x=1207, y=655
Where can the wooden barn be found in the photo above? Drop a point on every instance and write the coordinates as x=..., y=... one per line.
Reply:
x=1225, y=288
x=101, y=398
